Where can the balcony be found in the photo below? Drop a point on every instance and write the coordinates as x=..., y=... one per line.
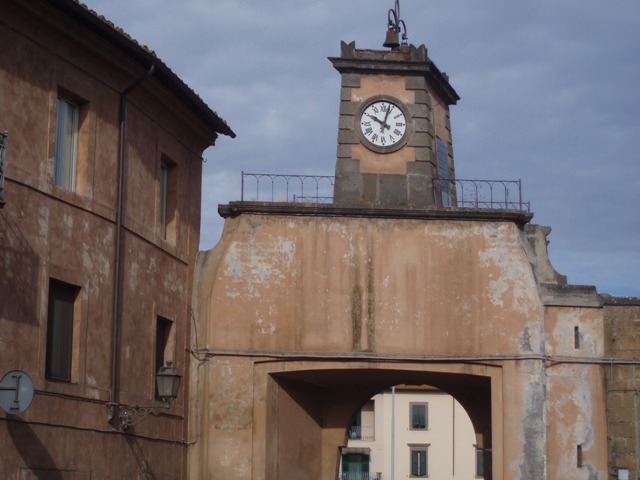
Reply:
x=358, y=432
x=318, y=189
x=312, y=195
x=360, y=476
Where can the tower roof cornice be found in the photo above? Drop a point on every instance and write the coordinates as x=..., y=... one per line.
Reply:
x=407, y=60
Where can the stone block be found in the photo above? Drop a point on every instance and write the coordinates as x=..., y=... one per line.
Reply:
x=345, y=95
x=351, y=80
x=344, y=151
x=419, y=110
x=425, y=154
x=421, y=125
x=420, y=139
x=349, y=108
x=348, y=136
x=392, y=191
x=415, y=83
x=345, y=122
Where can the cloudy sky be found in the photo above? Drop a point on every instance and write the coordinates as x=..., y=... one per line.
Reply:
x=549, y=94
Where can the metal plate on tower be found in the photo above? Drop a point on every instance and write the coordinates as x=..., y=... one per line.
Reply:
x=16, y=392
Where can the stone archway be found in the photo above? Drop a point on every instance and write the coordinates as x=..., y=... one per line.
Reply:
x=308, y=409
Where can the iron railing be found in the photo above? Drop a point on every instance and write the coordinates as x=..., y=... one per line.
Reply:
x=358, y=432
x=314, y=189
x=267, y=187
x=492, y=194
x=360, y=476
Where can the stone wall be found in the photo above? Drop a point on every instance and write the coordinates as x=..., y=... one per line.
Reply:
x=622, y=377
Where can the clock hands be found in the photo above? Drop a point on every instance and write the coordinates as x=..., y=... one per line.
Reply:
x=387, y=115
x=375, y=119
x=383, y=123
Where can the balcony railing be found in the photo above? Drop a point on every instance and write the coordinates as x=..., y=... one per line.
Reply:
x=493, y=194
x=358, y=432
x=360, y=476
x=267, y=187
x=315, y=189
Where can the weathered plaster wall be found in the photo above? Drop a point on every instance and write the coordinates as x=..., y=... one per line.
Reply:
x=48, y=232
x=280, y=290
x=380, y=285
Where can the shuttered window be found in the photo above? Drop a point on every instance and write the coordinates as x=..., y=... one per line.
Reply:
x=443, y=172
x=67, y=124
x=419, y=461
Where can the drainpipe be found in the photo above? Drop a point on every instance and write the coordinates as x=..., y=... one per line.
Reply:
x=393, y=432
x=117, y=284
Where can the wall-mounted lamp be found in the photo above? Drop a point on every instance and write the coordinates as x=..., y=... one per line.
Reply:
x=168, y=384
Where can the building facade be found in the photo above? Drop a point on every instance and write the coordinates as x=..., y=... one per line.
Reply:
x=411, y=432
x=99, y=231
x=305, y=311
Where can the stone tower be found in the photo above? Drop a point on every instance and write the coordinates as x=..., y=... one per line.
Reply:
x=394, y=137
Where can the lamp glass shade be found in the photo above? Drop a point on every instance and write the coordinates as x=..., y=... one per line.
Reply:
x=168, y=381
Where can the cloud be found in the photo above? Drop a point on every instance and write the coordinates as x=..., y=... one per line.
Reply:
x=549, y=95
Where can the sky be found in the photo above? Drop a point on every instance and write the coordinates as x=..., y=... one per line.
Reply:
x=550, y=94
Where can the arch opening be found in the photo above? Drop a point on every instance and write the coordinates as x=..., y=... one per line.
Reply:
x=310, y=418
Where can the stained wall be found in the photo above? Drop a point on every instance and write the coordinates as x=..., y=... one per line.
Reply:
x=47, y=232
x=288, y=301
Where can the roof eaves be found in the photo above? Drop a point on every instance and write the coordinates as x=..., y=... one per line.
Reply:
x=147, y=57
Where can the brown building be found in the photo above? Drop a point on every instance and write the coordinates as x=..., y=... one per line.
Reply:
x=303, y=311
x=99, y=230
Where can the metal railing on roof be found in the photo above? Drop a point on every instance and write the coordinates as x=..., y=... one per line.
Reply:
x=318, y=189
x=268, y=187
x=491, y=194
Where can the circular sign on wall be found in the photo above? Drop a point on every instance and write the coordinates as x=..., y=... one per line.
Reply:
x=16, y=392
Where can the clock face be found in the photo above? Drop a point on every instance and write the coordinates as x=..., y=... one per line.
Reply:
x=383, y=125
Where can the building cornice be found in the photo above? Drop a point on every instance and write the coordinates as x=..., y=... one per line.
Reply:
x=234, y=209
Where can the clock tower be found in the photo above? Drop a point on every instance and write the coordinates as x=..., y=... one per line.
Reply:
x=394, y=136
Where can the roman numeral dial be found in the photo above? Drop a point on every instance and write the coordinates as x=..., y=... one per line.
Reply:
x=383, y=125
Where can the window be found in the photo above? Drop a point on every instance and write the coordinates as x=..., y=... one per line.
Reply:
x=443, y=172
x=355, y=466
x=163, y=353
x=419, y=461
x=60, y=320
x=579, y=456
x=419, y=416
x=355, y=429
x=66, y=147
x=479, y=462
x=167, y=200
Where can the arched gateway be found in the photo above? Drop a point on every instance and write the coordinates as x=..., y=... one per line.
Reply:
x=304, y=310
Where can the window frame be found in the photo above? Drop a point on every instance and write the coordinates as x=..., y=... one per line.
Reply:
x=415, y=461
x=67, y=133
x=164, y=341
x=414, y=406
x=167, y=199
x=62, y=331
